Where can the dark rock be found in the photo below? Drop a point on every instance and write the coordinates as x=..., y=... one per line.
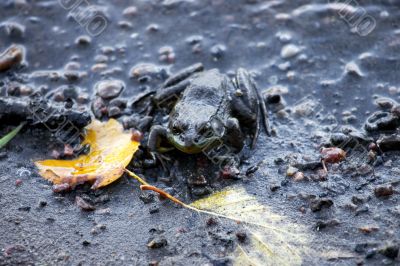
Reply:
x=383, y=190
x=147, y=197
x=241, y=236
x=154, y=209
x=381, y=121
x=157, y=242
x=24, y=208
x=324, y=224
x=319, y=204
x=389, y=142
x=390, y=251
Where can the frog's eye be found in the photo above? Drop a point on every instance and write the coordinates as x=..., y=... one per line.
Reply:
x=206, y=130
x=177, y=129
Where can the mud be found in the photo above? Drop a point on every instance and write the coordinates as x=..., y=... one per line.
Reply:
x=321, y=77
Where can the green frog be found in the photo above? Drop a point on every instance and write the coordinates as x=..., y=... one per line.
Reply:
x=211, y=113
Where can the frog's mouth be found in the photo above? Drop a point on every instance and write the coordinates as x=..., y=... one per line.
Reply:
x=196, y=147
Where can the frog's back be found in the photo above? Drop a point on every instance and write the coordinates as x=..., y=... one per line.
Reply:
x=208, y=88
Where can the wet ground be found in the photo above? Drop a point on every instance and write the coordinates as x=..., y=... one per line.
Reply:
x=328, y=70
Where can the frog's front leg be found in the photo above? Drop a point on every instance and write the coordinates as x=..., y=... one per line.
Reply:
x=248, y=105
x=157, y=134
x=235, y=137
x=176, y=84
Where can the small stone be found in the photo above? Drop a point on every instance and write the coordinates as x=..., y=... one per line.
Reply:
x=42, y=203
x=147, y=198
x=368, y=229
x=97, y=229
x=291, y=171
x=354, y=69
x=298, y=176
x=24, y=208
x=99, y=107
x=83, y=40
x=12, y=56
x=324, y=224
x=383, y=191
x=274, y=187
x=218, y=51
x=157, y=243
x=18, y=182
x=241, y=236
x=68, y=150
x=390, y=251
x=154, y=209
x=130, y=11
x=84, y=205
x=86, y=242
x=137, y=135
x=290, y=50
x=114, y=111
x=319, y=204
x=109, y=89
x=14, y=29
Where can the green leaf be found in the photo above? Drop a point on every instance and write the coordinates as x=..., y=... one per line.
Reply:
x=4, y=140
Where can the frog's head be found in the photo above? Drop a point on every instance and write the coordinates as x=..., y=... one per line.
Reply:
x=193, y=132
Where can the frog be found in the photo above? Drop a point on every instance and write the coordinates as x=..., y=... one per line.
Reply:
x=211, y=114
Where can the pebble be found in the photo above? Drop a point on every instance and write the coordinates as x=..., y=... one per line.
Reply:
x=83, y=40
x=97, y=229
x=14, y=29
x=383, y=191
x=114, y=111
x=319, y=204
x=109, y=89
x=291, y=171
x=147, y=198
x=12, y=56
x=354, y=69
x=390, y=251
x=290, y=50
x=298, y=176
x=157, y=242
x=130, y=11
x=218, y=51
x=84, y=205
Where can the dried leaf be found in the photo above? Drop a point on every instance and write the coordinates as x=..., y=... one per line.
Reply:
x=273, y=239
x=111, y=150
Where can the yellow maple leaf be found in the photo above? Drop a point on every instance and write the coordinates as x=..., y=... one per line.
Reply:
x=111, y=150
x=272, y=238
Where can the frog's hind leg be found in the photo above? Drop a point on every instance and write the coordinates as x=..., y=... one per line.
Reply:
x=176, y=84
x=248, y=104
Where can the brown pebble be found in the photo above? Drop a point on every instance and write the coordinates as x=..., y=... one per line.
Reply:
x=368, y=229
x=18, y=182
x=12, y=56
x=84, y=205
x=383, y=191
x=136, y=135
x=333, y=154
x=299, y=176
x=68, y=150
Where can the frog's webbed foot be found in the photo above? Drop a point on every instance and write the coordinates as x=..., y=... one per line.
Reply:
x=176, y=84
x=248, y=104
